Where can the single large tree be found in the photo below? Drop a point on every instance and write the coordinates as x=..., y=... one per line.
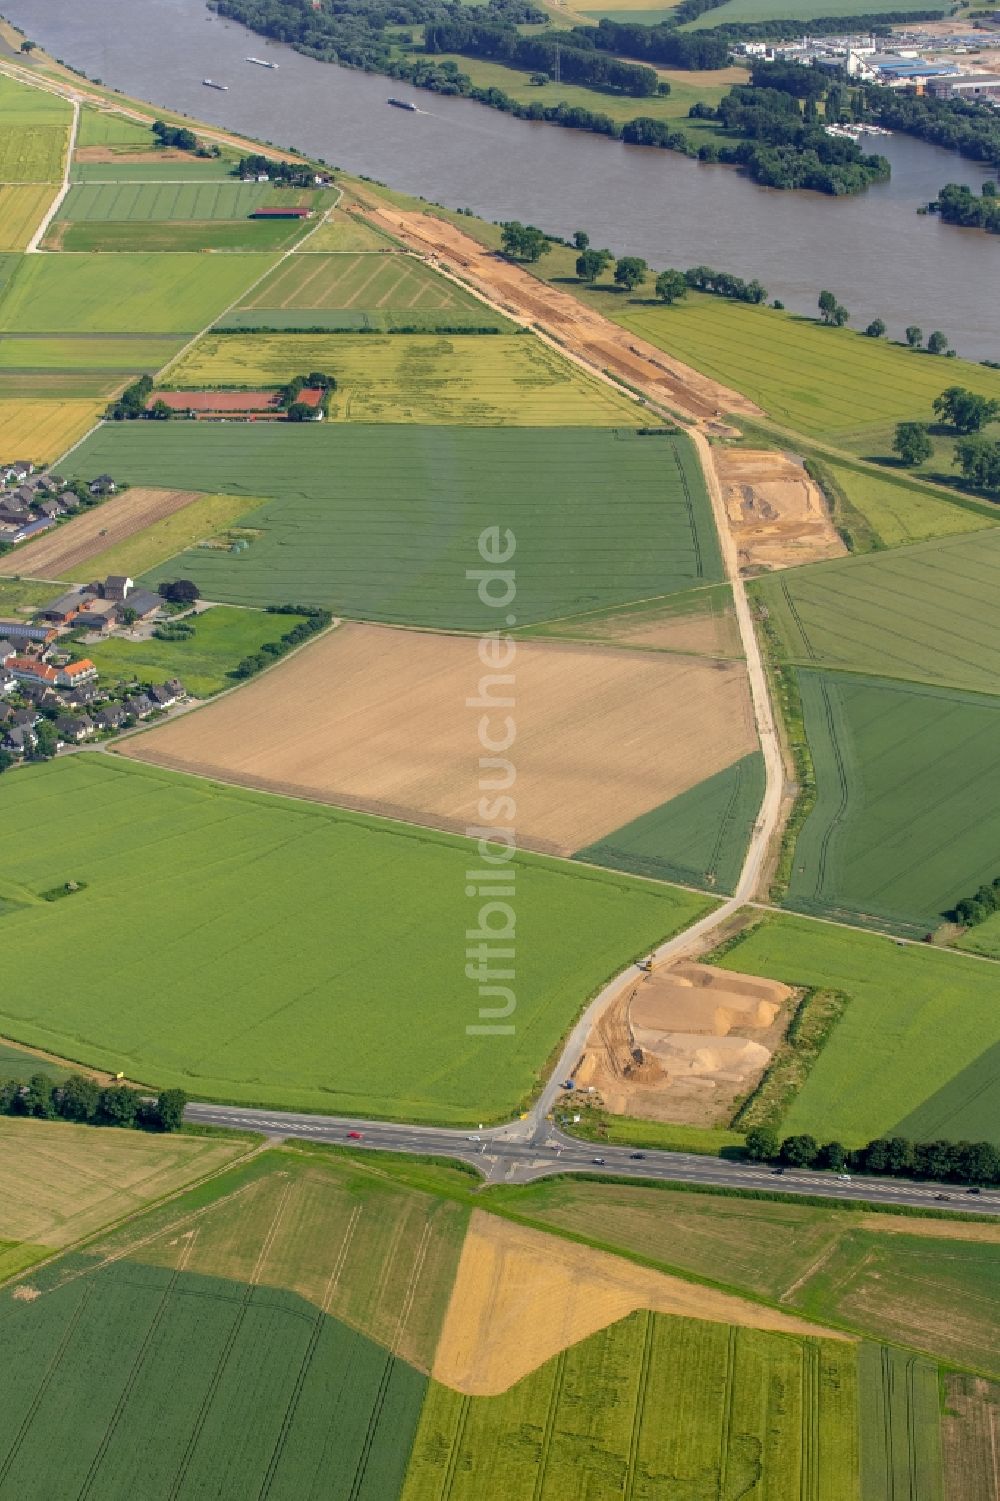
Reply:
x=523, y=242
x=966, y=411
x=590, y=264
x=630, y=272
x=912, y=442
x=914, y=336
x=876, y=329
x=978, y=457
x=937, y=342
x=833, y=313
x=670, y=285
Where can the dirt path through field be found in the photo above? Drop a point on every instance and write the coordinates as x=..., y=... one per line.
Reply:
x=581, y=331
x=521, y=1296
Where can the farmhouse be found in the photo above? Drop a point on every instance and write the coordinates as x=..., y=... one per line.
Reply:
x=102, y=485
x=75, y=727
x=66, y=607
x=18, y=631
x=33, y=672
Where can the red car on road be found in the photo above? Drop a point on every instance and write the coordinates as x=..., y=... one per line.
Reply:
x=354, y=1135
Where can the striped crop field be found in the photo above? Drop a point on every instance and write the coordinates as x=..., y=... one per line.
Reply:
x=419, y=378
x=380, y=523
x=652, y=1407
x=907, y=813
x=900, y=1427
x=360, y=281
x=146, y=201
x=924, y=613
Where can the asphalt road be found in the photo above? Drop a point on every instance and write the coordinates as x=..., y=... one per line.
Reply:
x=503, y=1156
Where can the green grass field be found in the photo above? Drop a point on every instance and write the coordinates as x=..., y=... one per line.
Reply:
x=121, y=170
x=418, y=378
x=101, y=127
x=984, y=938
x=364, y=320
x=290, y=916
x=145, y=202
x=32, y=153
x=740, y=11
x=20, y=104
x=15, y=1063
x=907, y=814
x=222, y=637
x=917, y=1017
x=128, y=294
x=348, y=232
x=18, y=596
x=652, y=1407
x=671, y=108
x=699, y=838
x=899, y=512
x=382, y=523
x=22, y=209
x=134, y=236
x=900, y=1430
x=826, y=382
x=70, y=354
x=923, y=613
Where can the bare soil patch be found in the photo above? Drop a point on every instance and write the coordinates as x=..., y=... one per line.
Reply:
x=522, y=1296
x=387, y=721
x=62, y=552
x=684, y=1043
x=777, y=514
x=988, y=1231
x=970, y=1431
x=104, y=154
x=585, y=332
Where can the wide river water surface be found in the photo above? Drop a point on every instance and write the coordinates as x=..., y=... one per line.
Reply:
x=873, y=251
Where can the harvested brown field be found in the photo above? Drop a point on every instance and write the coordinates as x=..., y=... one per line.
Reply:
x=684, y=1043
x=384, y=723
x=107, y=154
x=705, y=632
x=521, y=1296
x=970, y=1433
x=63, y=552
x=778, y=515
x=584, y=332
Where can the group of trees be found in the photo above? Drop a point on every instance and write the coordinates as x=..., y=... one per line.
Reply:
x=784, y=142
x=179, y=591
x=578, y=64
x=288, y=394
x=722, y=284
x=83, y=1100
x=958, y=204
x=977, y=455
x=315, y=620
x=132, y=402
x=976, y=909
x=662, y=44
x=286, y=174
x=179, y=138
x=523, y=242
x=969, y=1162
x=833, y=313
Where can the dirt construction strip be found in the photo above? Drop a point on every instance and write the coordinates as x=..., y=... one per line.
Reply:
x=61, y=554
x=586, y=334
x=522, y=1296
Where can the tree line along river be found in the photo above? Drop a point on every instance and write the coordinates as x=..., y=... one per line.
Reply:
x=873, y=250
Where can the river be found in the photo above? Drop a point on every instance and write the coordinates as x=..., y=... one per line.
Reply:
x=873, y=251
